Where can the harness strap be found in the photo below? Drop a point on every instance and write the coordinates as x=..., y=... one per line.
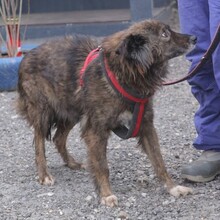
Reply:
x=123, y=132
x=136, y=101
x=129, y=96
x=92, y=55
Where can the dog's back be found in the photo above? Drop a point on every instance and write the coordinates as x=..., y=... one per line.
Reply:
x=48, y=79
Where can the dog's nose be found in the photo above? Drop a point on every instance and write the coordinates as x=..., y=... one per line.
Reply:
x=193, y=39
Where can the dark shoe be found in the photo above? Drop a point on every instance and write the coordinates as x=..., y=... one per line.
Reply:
x=205, y=169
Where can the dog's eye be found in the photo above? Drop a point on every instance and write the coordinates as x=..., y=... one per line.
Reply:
x=164, y=34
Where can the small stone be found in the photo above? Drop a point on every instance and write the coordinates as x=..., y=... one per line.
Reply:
x=143, y=179
x=166, y=202
x=91, y=217
x=45, y=194
x=172, y=200
x=50, y=194
x=96, y=210
x=128, y=204
x=151, y=176
x=122, y=215
x=143, y=194
x=89, y=198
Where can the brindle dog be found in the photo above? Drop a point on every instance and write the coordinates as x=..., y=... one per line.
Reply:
x=50, y=95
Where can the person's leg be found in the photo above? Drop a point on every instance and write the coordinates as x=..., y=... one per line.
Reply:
x=214, y=11
x=194, y=19
x=208, y=117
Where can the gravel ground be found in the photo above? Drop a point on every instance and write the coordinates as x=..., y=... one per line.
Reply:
x=140, y=194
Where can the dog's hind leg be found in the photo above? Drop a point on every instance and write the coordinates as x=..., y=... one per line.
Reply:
x=150, y=145
x=60, y=139
x=45, y=177
x=98, y=165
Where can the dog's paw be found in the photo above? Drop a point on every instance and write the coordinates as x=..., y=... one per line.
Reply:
x=84, y=166
x=47, y=180
x=110, y=201
x=178, y=191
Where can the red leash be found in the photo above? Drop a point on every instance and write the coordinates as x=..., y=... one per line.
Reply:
x=202, y=61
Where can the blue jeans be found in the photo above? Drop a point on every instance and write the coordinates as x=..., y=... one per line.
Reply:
x=201, y=18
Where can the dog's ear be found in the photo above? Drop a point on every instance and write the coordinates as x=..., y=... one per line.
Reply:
x=130, y=45
x=136, y=47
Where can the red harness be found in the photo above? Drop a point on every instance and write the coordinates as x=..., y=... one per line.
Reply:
x=92, y=55
x=138, y=102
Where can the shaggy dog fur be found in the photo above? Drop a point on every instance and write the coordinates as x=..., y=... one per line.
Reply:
x=50, y=95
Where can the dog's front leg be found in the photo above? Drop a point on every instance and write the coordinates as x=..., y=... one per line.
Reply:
x=99, y=167
x=150, y=145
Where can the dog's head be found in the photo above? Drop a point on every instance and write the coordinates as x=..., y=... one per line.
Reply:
x=152, y=42
x=139, y=55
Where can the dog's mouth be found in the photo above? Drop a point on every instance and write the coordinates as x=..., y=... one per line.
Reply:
x=181, y=51
x=177, y=53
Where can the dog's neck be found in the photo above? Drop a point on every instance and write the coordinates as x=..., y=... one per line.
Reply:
x=143, y=81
